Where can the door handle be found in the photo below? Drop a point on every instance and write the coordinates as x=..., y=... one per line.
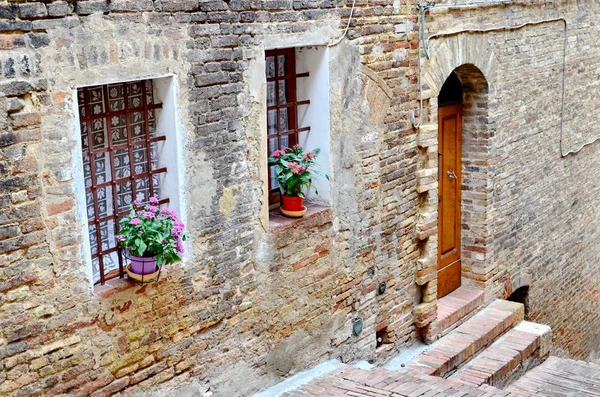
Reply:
x=451, y=175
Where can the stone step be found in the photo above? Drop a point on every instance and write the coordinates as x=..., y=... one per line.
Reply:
x=453, y=310
x=559, y=377
x=467, y=340
x=518, y=350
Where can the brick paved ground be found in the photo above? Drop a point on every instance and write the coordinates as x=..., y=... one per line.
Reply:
x=556, y=377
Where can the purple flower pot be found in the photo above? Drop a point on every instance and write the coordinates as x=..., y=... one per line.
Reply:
x=143, y=265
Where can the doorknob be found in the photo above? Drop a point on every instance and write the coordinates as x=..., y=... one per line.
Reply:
x=451, y=175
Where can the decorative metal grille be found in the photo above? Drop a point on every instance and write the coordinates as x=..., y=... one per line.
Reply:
x=282, y=108
x=120, y=163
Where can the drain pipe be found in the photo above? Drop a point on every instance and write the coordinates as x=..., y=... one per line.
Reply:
x=424, y=43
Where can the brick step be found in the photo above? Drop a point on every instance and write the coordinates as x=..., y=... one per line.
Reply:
x=559, y=377
x=453, y=310
x=464, y=342
x=379, y=382
x=518, y=350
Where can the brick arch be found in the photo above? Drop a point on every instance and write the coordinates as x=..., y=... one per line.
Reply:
x=451, y=53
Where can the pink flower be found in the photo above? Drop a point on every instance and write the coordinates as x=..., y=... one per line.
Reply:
x=292, y=165
x=120, y=237
x=172, y=214
x=310, y=155
x=153, y=200
x=137, y=201
x=148, y=214
x=180, y=247
x=135, y=221
x=152, y=208
x=278, y=153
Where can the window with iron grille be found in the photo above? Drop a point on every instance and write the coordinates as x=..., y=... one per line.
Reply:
x=120, y=163
x=282, y=109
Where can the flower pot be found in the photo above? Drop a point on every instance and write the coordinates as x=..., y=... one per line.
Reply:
x=293, y=203
x=141, y=265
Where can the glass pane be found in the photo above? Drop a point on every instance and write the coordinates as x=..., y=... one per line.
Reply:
x=124, y=195
x=135, y=94
x=282, y=92
x=142, y=189
x=271, y=93
x=89, y=203
x=122, y=169
x=281, y=65
x=273, y=145
x=149, y=92
x=116, y=98
x=105, y=201
x=283, y=120
x=274, y=181
x=118, y=130
x=102, y=164
x=272, y=121
x=81, y=103
x=87, y=171
x=285, y=141
x=270, y=67
x=138, y=126
x=107, y=234
x=96, y=97
x=93, y=238
x=152, y=122
x=140, y=160
x=99, y=139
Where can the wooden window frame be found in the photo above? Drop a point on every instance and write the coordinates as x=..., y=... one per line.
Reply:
x=291, y=107
x=110, y=148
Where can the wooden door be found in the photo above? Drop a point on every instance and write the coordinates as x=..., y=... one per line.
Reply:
x=449, y=217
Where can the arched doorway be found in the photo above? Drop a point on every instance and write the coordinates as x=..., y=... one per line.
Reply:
x=450, y=109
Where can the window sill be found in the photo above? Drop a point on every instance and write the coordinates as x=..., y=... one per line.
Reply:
x=278, y=222
x=114, y=286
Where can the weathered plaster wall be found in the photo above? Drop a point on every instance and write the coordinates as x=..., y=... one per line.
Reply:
x=251, y=303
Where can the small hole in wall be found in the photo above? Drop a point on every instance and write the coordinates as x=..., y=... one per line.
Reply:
x=382, y=337
x=521, y=295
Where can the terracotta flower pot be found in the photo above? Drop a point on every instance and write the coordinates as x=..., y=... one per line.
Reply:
x=293, y=203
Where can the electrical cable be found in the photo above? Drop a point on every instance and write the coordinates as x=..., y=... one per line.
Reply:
x=338, y=41
x=425, y=43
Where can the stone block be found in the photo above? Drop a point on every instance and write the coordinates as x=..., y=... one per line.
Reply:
x=35, y=10
x=59, y=9
x=132, y=5
x=92, y=6
x=15, y=88
x=178, y=5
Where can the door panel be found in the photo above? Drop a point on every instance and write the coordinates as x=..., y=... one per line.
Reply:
x=449, y=216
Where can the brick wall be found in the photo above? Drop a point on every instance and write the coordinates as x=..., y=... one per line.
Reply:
x=252, y=303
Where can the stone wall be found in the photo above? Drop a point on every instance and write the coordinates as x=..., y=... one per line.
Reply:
x=253, y=302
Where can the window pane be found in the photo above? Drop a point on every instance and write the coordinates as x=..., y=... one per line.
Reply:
x=271, y=93
x=105, y=201
x=274, y=181
x=134, y=94
x=116, y=99
x=118, y=130
x=273, y=145
x=124, y=195
x=96, y=98
x=270, y=67
x=138, y=126
x=99, y=139
x=272, y=121
x=140, y=160
x=122, y=169
x=282, y=92
x=283, y=120
x=285, y=141
x=281, y=65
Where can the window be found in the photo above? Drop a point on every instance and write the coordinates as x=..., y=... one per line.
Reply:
x=294, y=73
x=282, y=109
x=120, y=146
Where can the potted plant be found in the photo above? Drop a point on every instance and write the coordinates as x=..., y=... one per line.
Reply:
x=295, y=170
x=152, y=237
